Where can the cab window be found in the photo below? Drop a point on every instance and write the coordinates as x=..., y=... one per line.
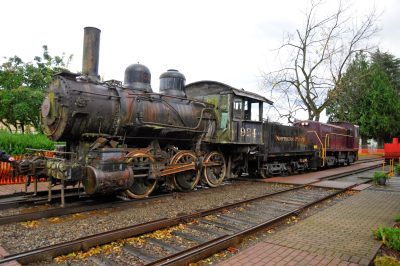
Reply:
x=238, y=108
x=247, y=109
x=255, y=111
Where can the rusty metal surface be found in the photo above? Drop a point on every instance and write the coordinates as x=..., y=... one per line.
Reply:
x=239, y=128
x=138, y=77
x=172, y=83
x=74, y=111
x=91, y=50
x=101, y=182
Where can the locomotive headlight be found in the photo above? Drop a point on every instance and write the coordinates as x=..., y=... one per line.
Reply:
x=315, y=147
x=304, y=123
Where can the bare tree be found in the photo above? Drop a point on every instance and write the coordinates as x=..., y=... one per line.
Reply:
x=317, y=55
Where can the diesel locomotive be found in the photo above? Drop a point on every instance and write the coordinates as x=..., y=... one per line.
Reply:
x=121, y=137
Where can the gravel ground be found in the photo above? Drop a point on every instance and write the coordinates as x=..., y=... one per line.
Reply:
x=33, y=234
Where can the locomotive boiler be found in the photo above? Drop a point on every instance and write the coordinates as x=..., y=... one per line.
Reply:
x=121, y=137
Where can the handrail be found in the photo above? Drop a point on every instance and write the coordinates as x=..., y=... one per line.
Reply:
x=323, y=149
x=327, y=143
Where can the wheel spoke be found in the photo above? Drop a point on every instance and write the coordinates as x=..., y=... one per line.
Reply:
x=142, y=186
x=215, y=174
x=187, y=180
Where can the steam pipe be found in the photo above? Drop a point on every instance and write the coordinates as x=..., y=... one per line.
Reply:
x=91, y=50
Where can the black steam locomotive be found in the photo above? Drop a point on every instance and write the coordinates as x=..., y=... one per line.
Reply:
x=123, y=137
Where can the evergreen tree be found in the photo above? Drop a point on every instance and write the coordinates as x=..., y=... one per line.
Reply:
x=369, y=97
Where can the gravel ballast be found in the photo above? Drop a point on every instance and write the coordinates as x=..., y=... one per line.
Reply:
x=34, y=234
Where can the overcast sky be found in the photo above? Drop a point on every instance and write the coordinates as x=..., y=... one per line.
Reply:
x=228, y=41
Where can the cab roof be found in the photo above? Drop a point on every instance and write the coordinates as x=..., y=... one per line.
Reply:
x=209, y=87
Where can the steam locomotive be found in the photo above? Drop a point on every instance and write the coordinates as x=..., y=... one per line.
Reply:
x=124, y=138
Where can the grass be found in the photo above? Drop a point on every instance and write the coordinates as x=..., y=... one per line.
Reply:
x=15, y=144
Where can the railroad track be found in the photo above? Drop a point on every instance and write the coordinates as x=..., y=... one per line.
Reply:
x=201, y=234
x=80, y=204
x=368, y=160
x=30, y=200
x=91, y=204
x=83, y=205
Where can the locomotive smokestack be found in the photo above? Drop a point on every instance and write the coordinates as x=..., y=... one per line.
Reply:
x=91, y=49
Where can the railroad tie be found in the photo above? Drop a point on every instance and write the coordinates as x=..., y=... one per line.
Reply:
x=251, y=214
x=137, y=252
x=102, y=261
x=295, y=200
x=288, y=202
x=197, y=239
x=226, y=227
x=167, y=246
x=235, y=219
x=266, y=208
x=201, y=229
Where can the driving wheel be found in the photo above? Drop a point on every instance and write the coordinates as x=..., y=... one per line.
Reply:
x=185, y=181
x=142, y=184
x=215, y=172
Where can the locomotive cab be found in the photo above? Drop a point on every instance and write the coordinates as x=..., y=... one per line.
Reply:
x=239, y=112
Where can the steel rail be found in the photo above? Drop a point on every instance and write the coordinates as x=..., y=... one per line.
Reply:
x=87, y=242
x=336, y=176
x=89, y=204
x=31, y=194
x=8, y=204
x=209, y=248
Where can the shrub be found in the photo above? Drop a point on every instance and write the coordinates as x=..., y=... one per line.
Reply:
x=386, y=261
x=397, y=169
x=17, y=143
x=379, y=175
x=397, y=218
x=389, y=236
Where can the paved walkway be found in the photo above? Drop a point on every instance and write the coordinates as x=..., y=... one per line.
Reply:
x=339, y=235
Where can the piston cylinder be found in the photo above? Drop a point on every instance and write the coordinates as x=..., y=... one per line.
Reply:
x=101, y=182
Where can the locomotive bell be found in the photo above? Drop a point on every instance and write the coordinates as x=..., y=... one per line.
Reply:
x=138, y=77
x=172, y=83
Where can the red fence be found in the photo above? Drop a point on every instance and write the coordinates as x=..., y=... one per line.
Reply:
x=371, y=151
x=6, y=172
x=6, y=175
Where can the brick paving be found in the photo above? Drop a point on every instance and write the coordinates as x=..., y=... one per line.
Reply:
x=361, y=187
x=339, y=235
x=334, y=184
x=3, y=253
